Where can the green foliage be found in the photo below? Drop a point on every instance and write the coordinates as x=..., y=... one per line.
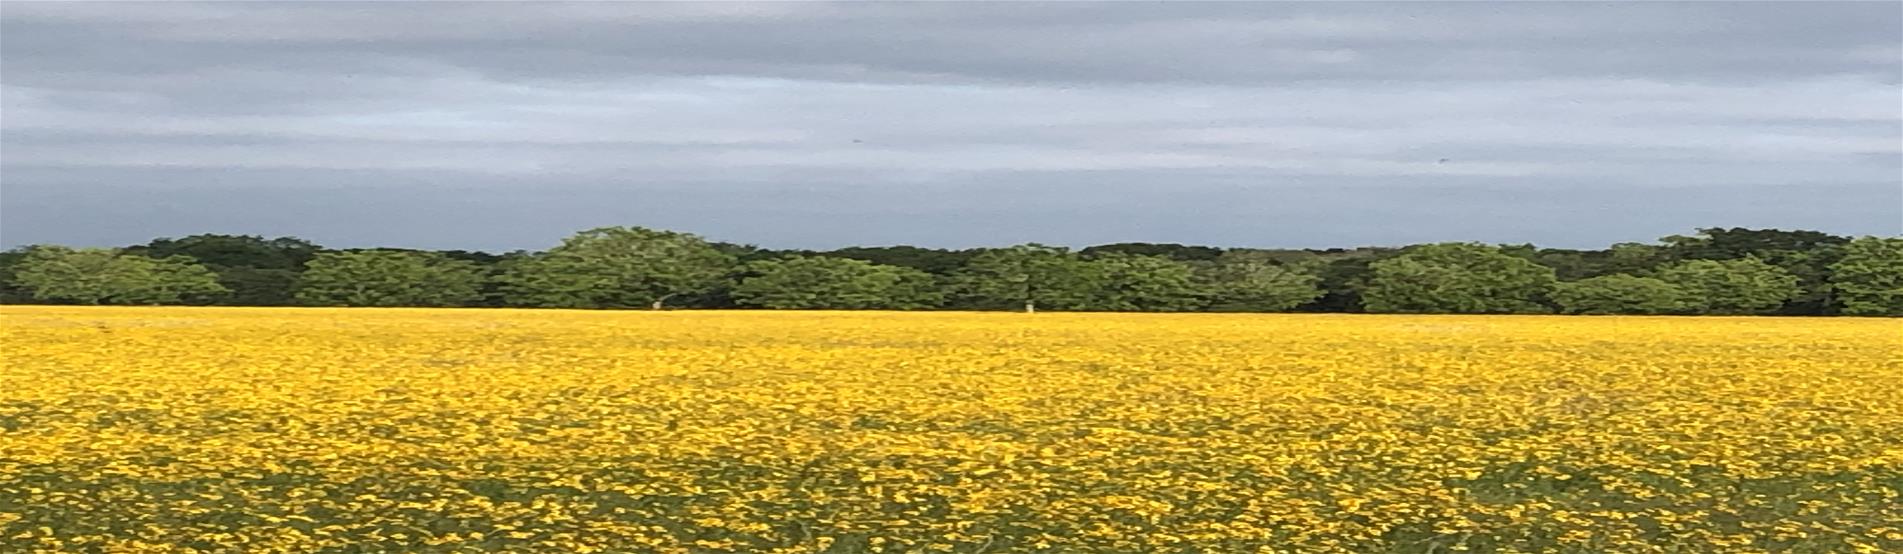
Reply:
x=1344, y=275
x=106, y=276
x=1741, y=286
x=1030, y=276
x=1619, y=294
x=258, y=271
x=1633, y=258
x=1812, y=270
x=623, y=267
x=481, y=259
x=1235, y=284
x=252, y=286
x=81, y=276
x=743, y=253
x=1138, y=283
x=388, y=278
x=12, y=292
x=175, y=280
x=617, y=267
x=1178, y=252
x=824, y=283
x=1869, y=276
x=1730, y=244
x=1276, y=257
x=233, y=250
x=1573, y=265
x=1457, y=278
x=1806, y=255
x=930, y=260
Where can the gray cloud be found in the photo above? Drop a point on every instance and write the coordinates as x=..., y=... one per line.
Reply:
x=492, y=125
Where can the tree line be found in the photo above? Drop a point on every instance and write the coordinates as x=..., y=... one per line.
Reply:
x=1715, y=271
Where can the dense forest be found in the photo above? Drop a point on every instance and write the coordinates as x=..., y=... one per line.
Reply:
x=1715, y=271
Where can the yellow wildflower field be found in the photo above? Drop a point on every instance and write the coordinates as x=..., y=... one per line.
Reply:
x=416, y=430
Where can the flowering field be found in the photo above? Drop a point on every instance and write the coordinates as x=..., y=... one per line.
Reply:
x=338, y=430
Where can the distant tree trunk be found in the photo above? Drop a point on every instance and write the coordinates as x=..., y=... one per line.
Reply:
x=1030, y=294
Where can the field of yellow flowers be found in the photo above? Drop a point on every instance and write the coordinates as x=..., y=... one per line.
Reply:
x=359, y=430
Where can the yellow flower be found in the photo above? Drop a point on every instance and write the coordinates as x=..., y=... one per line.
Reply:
x=301, y=430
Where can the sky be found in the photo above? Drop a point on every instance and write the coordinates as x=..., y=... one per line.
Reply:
x=499, y=126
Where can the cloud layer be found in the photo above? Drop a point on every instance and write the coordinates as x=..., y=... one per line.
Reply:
x=499, y=126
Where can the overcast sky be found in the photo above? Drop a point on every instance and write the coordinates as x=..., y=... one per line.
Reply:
x=502, y=126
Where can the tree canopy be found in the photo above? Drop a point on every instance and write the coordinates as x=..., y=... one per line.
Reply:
x=802, y=282
x=617, y=267
x=109, y=276
x=1254, y=286
x=389, y=278
x=257, y=271
x=1460, y=278
x=1868, y=276
x=1619, y=294
x=1141, y=283
x=1031, y=276
x=1713, y=271
x=930, y=260
x=1806, y=255
x=1178, y=252
x=1731, y=287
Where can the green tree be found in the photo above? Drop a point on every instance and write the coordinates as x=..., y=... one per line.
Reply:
x=1618, y=294
x=1031, y=276
x=12, y=292
x=818, y=283
x=1635, y=258
x=743, y=253
x=929, y=260
x=1142, y=283
x=1573, y=265
x=1741, y=286
x=388, y=278
x=1715, y=243
x=490, y=265
x=1457, y=278
x=1284, y=257
x=1868, y=278
x=106, y=276
x=80, y=276
x=251, y=286
x=1806, y=255
x=617, y=267
x=233, y=250
x=259, y=271
x=176, y=280
x=1253, y=286
x=1173, y=251
x=1344, y=276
